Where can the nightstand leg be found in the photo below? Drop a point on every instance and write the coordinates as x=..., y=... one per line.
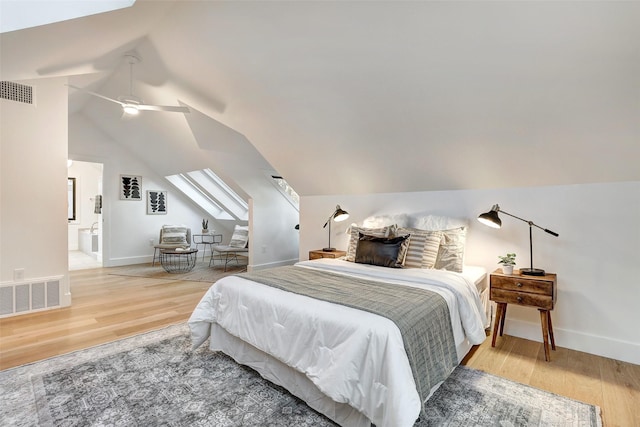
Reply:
x=504, y=315
x=544, y=320
x=498, y=322
x=553, y=341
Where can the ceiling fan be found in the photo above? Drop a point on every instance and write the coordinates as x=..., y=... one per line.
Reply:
x=131, y=104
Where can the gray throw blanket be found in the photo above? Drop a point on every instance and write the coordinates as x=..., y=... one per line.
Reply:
x=421, y=315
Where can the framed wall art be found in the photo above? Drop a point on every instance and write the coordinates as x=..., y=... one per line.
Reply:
x=130, y=187
x=156, y=202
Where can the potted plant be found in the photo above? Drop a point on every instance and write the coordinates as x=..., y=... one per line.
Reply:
x=507, y=261
x=205, y=226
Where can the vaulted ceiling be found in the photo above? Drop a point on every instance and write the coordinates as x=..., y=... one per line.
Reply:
x=359, y=97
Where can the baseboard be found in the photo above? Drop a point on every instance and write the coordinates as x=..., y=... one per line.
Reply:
x=254, y=267
x=119, y=262
x=594, y=344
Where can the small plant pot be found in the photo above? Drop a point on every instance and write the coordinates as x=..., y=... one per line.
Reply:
x=507, y=269
x=205, y=231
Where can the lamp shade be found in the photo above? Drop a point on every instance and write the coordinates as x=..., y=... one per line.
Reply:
x=491, y=218
x=340, y=215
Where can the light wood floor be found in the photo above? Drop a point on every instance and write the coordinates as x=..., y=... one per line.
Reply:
x=108, y=307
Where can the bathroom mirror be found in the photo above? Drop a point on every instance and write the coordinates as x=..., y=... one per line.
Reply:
x=71, y=194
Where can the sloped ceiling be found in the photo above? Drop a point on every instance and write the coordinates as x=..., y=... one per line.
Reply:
x=370, y=97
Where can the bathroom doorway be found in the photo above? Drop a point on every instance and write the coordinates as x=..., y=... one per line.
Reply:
x=85, y=224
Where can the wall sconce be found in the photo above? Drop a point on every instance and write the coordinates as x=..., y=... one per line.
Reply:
x=492, y=219
x=337, y=216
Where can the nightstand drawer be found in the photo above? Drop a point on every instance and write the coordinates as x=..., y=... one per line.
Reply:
x=315, y=255
x=326, y=254
x=542, y=287
x=522, y=298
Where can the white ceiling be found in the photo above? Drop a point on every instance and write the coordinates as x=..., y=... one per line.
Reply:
x=361, y=97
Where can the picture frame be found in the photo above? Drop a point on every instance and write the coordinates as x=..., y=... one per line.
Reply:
x=130, y=187
x=156, y=202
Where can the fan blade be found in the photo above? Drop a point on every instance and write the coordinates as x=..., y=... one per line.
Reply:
x=175, y=109
x=96, y=94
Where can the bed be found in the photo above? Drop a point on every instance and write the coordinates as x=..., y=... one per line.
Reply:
x=350, y=364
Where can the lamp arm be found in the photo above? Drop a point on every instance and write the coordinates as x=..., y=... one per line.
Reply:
x=553, y=233
x=330, y=218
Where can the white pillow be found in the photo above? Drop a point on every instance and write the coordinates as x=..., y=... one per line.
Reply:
x=401, y=220
x=436, y=223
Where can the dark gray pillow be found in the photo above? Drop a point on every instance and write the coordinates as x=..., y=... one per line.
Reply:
x=382, y=251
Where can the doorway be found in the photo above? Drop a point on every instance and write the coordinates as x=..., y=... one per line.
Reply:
x=85, y=224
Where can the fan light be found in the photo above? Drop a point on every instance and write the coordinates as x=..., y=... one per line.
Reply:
x=130, y=109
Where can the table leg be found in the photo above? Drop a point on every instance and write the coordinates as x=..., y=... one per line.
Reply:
x=498, y=322
x=553, y=341
x=544, y=320
x=504, y=316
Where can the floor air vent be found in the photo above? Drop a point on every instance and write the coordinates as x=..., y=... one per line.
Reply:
x=21, y=298
x=16, y=92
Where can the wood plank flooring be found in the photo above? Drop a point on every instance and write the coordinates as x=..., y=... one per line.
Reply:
x=108, y=307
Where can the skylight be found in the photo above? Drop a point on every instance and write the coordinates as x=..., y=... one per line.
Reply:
x=208, y=191
x=287, y=191
x=20, y=14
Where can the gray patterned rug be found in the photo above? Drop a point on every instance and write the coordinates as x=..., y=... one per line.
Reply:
x=201, y=271
x=154, y=379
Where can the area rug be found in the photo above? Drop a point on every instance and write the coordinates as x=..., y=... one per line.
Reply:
x=200, y=273
x=155, y=379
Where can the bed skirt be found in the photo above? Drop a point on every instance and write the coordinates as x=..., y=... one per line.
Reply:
x=295, y=382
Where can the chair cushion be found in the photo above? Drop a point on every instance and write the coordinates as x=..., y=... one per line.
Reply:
x=240, y=237
x=175, y=235
x=222, y=248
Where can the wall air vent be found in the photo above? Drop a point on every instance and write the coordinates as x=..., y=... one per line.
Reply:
x=16, y=92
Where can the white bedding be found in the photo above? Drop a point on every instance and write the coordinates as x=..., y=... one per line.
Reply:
x=351, y=356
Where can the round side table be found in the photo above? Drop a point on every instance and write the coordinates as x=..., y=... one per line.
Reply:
x=178, y=261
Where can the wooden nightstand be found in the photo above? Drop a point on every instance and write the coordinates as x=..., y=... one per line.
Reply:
x=529, y=291
x=317, y=254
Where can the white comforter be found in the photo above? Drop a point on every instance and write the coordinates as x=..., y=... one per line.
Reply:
x=352, y=356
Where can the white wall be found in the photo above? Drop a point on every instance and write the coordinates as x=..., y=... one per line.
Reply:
x=274, y=239
x=33, y=185
x=595, y=256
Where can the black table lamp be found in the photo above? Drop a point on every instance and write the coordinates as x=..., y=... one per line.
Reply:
x=337, y=216
x=492, y=219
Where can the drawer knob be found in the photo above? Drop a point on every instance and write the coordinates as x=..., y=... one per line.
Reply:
x=518, y=284
x=519, y=299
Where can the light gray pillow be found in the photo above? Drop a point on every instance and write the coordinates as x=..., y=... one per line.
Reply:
x=451, y=252
x=423, y=247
